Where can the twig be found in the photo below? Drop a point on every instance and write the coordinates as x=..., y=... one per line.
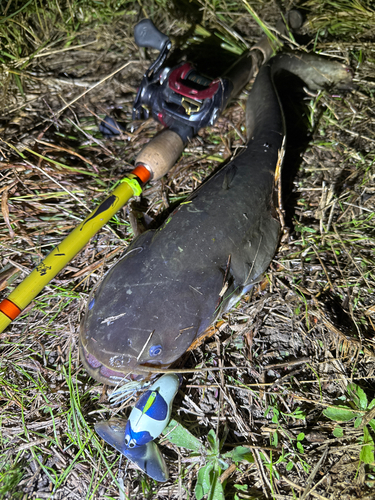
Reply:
x=311, y=478
x=94, y=86
x=300, y=488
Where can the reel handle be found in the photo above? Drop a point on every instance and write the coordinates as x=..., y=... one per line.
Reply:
x=147, y=35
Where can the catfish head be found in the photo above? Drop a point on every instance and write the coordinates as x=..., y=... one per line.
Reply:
x=147, y=311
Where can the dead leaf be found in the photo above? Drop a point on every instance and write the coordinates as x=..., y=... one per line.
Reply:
x=5, y=211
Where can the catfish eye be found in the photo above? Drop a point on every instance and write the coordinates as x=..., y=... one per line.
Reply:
x=155, y=350
x=92, y=302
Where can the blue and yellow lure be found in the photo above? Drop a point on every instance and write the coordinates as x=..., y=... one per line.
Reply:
x=149, y=417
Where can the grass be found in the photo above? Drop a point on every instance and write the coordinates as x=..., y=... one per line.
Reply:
x=343, y=17
x=298, y=344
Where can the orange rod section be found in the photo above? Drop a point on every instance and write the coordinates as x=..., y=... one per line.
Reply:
x=10, y=309
x=142, y=173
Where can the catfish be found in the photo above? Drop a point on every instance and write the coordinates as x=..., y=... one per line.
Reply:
x=174, y=282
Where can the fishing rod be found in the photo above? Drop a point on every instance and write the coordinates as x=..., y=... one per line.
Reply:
x=179, y=98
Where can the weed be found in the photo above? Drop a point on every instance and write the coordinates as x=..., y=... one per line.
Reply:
x=278, y=418
x=10, y=477
x=356, y=409
x=342, y=17
x=214, y=462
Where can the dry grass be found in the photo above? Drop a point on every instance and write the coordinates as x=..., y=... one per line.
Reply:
x=295, y=344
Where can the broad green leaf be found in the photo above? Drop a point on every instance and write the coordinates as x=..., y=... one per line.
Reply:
x=367, y=438
x=300, y=447
x=338, y=432
x=303, y=229
x=367, y=454
x=241, y=487
x=371, y=405
x=372, y=424
x=203, y=485
x=213, y=441
x=289, y=466
x=275, y=417
x=218, y=491
x=298, y=413
x=339, y=414
x=178, y=435
x=357, y=422
x=301, y=436
x=239, y=454
x=367, y=451
x=358, y=396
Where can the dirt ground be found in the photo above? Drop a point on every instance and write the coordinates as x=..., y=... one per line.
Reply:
x=299, y=344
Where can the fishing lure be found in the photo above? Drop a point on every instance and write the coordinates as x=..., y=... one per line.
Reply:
x=152, y=412
x=147, y=420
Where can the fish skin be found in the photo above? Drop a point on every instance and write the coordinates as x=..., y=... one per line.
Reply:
x=174, y=282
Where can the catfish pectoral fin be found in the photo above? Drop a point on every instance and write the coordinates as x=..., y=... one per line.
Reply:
x=229, y=176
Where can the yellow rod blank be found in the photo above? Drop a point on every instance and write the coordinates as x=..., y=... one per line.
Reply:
x=66, y=251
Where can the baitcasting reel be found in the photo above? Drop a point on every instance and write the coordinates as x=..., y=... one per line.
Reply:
x=179, y=98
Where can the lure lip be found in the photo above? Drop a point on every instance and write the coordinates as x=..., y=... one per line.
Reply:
x=147, y=457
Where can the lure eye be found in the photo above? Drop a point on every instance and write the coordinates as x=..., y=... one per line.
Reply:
x=91, y=304
x=126, y=441
x=131, y=444
x=155, y=350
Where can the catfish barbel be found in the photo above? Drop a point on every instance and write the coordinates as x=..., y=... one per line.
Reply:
x=173, y=283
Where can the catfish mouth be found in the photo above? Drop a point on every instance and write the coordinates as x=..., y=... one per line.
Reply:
x=100, y=372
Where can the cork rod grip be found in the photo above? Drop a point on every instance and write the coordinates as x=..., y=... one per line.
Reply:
x=161, y=153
